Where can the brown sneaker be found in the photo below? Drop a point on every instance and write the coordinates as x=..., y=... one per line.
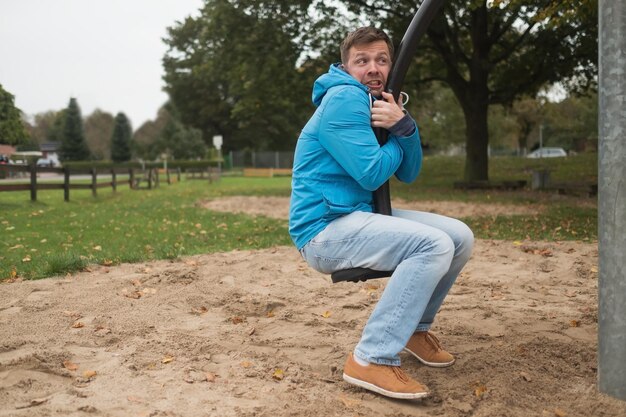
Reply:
x=426, y=348
x=390, y=381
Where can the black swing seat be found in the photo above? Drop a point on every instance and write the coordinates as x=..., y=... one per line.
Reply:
x=358, y=274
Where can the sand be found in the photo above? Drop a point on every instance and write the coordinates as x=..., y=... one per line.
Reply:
x=258, y=333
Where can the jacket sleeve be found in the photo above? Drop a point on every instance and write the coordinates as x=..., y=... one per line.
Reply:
x=346, y=133
x=411, y=163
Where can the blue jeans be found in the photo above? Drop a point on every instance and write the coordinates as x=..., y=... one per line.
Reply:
x=426, y=250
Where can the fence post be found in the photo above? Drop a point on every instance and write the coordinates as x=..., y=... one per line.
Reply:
x=131, y=178
x=113, y=180
x=167, y=176
x=149, y=178
x=33, y=181
x=94, y=182
x=66, y=183
x=178, y=173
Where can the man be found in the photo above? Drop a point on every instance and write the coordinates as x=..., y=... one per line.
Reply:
x=338, y=163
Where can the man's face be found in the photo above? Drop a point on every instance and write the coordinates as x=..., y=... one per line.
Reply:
x=369, y=64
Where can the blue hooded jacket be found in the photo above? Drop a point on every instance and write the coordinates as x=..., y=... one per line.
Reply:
x=338, y=162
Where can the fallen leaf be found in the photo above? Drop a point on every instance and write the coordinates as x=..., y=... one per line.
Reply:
x=210, y=377
x=98, y=248
x=70, y=366
x=78, y=325
x=251, y=332
x=107, y=262
x=574, y=323
x=349, y=402
x=132, y=294
x=74, y=314
x=559, y=413
x=136, y=283
x=270, y=313
x=246, y=364
x=278, y=374
x=525, y=376
x=199, y=310
x=26, y=258
x=134, y=399
x=167, y=359
x=371, y=288
x=480, y=390
x=89, y=374
x=237, y=319
x=326, y=314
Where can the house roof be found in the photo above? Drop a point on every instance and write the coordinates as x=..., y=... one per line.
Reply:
x=50, y=146
x=7, y=150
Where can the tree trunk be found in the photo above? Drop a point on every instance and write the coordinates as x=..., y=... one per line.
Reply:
x=477, y=140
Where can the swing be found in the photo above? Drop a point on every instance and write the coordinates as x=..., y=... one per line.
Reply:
x=408, y=46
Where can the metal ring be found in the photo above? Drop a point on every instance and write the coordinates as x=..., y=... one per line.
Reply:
x=405, y=97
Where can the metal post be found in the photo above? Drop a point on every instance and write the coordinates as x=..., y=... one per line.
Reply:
x=612, y=200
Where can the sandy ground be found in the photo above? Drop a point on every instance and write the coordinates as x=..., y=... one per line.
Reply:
x=258, y=333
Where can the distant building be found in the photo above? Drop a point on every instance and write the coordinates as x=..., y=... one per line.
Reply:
x=7, y=150
x=50, y=152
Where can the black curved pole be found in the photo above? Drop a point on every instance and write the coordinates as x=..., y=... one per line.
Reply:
x=406, y=51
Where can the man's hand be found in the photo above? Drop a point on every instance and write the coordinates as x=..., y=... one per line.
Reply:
x=386, y=112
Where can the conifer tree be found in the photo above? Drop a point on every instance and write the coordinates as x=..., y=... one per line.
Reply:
x=120, y=141
x=12, y=129
x=73, y=145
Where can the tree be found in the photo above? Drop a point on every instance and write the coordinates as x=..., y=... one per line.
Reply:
x=146, y=139
x=120, y=140
x=492, y=52
x=232, y=71
x=528, y=113
x=572, y=123
x=12, y=129
x=73, y=144
x=99, y=127
x=168, y=135
x=48, y=127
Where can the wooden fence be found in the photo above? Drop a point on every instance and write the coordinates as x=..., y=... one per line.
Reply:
x=137, y=178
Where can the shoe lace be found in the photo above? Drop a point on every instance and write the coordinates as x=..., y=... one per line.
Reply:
x=399, y=373
x=433, y=341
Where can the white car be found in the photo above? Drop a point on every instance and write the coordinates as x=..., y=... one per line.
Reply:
x=547, y=153
x=46, y=162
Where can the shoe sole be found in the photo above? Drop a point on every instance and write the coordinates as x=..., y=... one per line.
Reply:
x=432, y=364
x=382, y=391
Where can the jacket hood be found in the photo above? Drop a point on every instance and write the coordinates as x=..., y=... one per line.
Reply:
x=334, y=77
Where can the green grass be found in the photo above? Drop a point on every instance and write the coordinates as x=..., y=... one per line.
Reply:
x=52, y=237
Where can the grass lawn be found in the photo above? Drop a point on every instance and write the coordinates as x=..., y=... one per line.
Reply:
x=52, y=237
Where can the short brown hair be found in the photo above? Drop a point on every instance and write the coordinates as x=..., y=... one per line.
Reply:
x=362, y=36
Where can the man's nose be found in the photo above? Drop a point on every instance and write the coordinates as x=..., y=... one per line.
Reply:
x=373, y=68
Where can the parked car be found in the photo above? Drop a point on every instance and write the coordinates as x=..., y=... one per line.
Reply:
x=45, y=162
x=547, y=153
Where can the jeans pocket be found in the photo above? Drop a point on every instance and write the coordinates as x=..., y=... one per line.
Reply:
x=328, y=265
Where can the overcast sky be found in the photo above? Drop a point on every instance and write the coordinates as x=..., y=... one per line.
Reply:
x=105, y=53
